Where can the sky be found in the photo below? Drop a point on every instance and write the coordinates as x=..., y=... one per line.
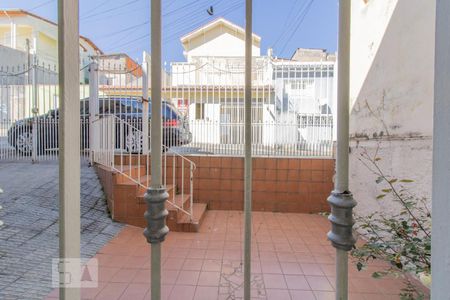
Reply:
x=123, y=26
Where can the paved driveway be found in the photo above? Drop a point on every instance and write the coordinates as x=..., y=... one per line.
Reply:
x=29, y=237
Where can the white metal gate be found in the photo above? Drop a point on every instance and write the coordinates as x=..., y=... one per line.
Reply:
x=29, y=112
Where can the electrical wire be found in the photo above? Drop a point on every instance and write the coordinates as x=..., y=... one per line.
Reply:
x=287, y=21
x=234, y=7
x=291, y=23
x=109, y=10
x=193, y=25
x=301, y=19
x=121, y=31
x=41, y=5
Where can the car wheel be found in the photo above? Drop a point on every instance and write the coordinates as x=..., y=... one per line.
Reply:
x=24, y=142
x=133, y=142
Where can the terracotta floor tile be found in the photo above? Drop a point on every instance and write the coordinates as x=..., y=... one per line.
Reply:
x=174, y=263
x=274, y=281
x=124, y=275
x=302, y=295
x=291, y=258
x=106, y=273
x=272, y=267
x=135, y=291
x=303, y=257
x=184, y=292
x=206, y=293
x=142, y=250
x=286, y=256
x=230, y=245
x=214, y=254
x=296, y=282
x=292, y=268
x=193, y=264
x=356, y=296
x=319, y=283
x=324, y=259
x=268, y=256
x=169, y=277
x=209, y=279
x=328, y=269
x=212, y=265
x=188, y=278
x=320, y=295
x=178, y=253
x=232, y=254
x=199, y=244
x=138, y=262
x=142, y=276
x=311, y=269
x=256, y=267
x=91, y=293
x=195, y=253
x=112, y=291
x=381, y=297
x=216, y=245
x=363, y=285
x=278, y=294
x=283, y=246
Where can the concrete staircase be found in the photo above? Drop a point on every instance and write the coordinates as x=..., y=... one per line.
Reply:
x=127, y=204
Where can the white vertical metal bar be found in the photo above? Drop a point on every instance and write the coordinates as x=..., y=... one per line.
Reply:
x=69, y=139
x=156, y=135
x=145, y=101
x=248, y=150
x=341, y=184
x=34, y=111
x=440, y=241
x=93, y=105
x=191, y=190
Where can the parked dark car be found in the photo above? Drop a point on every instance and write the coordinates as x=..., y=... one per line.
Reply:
x=129, y=109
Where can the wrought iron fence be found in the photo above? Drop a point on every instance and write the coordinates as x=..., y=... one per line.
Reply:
x=203, y=109
x=29, y=112
x=292, y=105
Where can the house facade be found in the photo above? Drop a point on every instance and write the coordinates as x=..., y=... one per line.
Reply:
x=209, y=89
x=30, y=33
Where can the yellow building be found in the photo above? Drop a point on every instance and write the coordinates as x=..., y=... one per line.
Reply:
x=30, y=33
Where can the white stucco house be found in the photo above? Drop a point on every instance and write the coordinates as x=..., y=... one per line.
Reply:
x=209, y=88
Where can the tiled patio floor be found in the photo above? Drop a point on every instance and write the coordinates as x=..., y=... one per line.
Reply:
x=291, y=260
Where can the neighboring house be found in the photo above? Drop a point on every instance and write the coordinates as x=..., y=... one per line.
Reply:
x=118, y=70
x=392, y=73
x=30, y=33
x=313, y=55
x=209, y=87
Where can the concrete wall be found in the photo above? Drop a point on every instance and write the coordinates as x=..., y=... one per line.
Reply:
x=392, y=57
x=12, y=58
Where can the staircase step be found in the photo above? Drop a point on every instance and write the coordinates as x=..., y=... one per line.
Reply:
x=141, y=193
x=186, y=224
x=131, y=171
x=180, y=201
x=126, y=180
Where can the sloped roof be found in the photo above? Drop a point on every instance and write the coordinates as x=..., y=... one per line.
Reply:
x=211, y=25
x=10, y=13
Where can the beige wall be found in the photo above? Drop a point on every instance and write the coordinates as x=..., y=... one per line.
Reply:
x=392, y=53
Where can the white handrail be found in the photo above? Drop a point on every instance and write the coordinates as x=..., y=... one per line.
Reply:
x=116, y=135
